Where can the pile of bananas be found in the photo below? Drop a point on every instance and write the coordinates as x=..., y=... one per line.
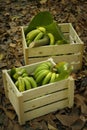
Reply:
x=22, y=80
x=44, y=73
x=47, y=73
x=39, y=37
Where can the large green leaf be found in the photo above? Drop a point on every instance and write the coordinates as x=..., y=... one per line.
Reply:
x=55, y=30
x=46, y=20
x=41, y=19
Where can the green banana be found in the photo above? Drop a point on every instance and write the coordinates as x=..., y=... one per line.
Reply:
x=32, y=34
x=51, y=37
x=47, y=78
x=49, y=64
x=38, y=73
x=15, y=76
x=62, y=41
x=21, y=71
x=42, y=42
x=27, y=83
x=24, y=74
x=28, y=41
x=21, y=85
x=41, y=67
x=39, y=36
x=57, y=75
x=42, y=29
x=53, y=77
x=17, y=84
x=32, y=82
x=40, y=77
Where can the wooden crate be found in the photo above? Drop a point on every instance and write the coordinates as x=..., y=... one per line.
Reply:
x=72, y=53
x=41, y=100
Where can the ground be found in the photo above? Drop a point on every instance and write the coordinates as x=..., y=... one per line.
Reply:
x=13, y=15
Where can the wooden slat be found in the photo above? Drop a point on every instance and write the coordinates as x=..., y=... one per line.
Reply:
x=65, y=27
x=12, y=85
x=45, y=100
x=67, y=58
x=13, y=98
x=74, y=59
x=55, y=50
x=25, y=48
x=45, y=110
x=74, y=35
x=45, y=89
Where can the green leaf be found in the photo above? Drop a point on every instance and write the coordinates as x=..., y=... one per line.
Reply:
x=41, y=19
x=63, y=76
x=13, y=71
x=46, y=20
x=55, y=30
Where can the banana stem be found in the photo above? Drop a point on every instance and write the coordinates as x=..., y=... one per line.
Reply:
x=41, y=42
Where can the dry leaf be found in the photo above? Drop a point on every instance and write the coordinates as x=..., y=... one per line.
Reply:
x=50, y=127
x=1, y=56
x=17, y=127
x=9, y=114
x=78, y=125
x=80, y=102
x=43, y=1
x=12, y=45
x=10, y=125
x=67, y=120
x=50, y=119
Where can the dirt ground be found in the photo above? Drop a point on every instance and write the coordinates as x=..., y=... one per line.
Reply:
x=17, y=13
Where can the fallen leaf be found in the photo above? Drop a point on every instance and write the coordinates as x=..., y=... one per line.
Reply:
x=1, y=56
x=17, y=127
x=2, y=65
x=10, y=125
x=9, y=114
x=36, y=125
x=44, y=125
x=78, y=125
x=80, y=102
x=12, y=45
x=49, y=118
x=67, y=120
x=43, y=1
x=50, y=127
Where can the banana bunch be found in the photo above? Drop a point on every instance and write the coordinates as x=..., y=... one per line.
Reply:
x=22, y=80
x=17, y=72
x=44, y=74
x=25, y=83
x=35, y=35
x=39, y=37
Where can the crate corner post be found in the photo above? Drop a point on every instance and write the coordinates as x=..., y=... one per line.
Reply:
x=25, y=48
x=71, y=92
x=21, y=118
x=5, y=82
